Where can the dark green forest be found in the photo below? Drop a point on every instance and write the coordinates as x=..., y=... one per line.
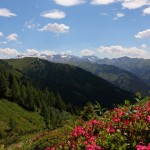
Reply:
x=75, y=85
x=15, y=87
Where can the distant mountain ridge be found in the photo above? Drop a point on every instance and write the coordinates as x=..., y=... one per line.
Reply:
x=138, y=66
x=132, y=74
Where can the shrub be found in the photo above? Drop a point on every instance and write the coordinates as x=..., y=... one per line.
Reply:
x=126, y=127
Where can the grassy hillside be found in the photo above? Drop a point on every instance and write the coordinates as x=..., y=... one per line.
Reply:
x=75, y=85
x=25, y=121
x=20, y=64
x=5, y=67
x=15, y=122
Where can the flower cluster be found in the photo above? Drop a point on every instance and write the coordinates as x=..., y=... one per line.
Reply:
x=142, y=147
x=122, y=128
x=78, y=131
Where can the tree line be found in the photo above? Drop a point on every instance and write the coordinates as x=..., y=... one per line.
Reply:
x=50, y=105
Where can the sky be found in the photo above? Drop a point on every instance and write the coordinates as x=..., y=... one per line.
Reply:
x=104, y=28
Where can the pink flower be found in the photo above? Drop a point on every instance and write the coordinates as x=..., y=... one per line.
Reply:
x=95, y=122
x=148, y=119
x=116, y=119
x=126, y=122
x=136, y=116
x=111, y=130
x=92, y=147
x=78, y=131
x=116, y=109
x=142, y=147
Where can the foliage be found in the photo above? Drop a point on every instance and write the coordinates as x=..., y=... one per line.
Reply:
x=41, y=141
x=126, y=127
x=138, y=96
x=92, y=111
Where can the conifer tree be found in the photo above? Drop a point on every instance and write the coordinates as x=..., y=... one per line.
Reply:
x=52, y=99
x=30, y=99
x=4, y=86
x=10, y=79
x=70, y=109
x=59, y=102
x=15, y=91
x=23, y=93
x=45, y=113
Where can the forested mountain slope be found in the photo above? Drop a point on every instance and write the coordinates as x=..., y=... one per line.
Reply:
x=75, y=85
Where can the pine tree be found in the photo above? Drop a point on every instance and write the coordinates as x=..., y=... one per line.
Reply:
x=45, y=113
x=10, y=79
x=15, y=91
x=52, y=100
x=30, y=99
x=70, y=109
x=23, y=93
x=59, y=103
x=4, y=86
x=46, y=96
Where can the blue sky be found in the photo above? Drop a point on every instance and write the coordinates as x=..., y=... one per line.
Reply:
x=105, y=28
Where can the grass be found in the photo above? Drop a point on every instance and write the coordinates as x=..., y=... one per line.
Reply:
x=25, y=121
x=22, y=62
x=27, y=124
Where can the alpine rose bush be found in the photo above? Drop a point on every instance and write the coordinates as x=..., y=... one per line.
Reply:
x=123, y=128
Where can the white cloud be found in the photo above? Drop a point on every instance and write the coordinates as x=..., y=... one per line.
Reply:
x=69, y=2
x=143, y=34
x=102, y=2
x=47, y=52
x=53, y=14
x=129, y=4
x=146, y=11
x=118, y=15
x=1, y=34
x=31, y=52
x=40, y=54
x=87, y=52
x=144, y=46
x=6, y=13
x=30, y=25
x=55, y=27
x=119, y=51
x=8, y=53
x=12, y=37
x=134, y=4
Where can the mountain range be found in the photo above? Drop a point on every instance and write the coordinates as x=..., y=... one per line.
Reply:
x=131, y=74
x=75, y=85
